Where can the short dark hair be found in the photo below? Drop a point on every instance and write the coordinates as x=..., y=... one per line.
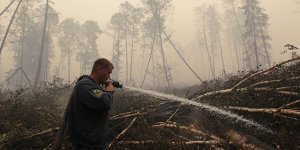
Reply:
x=103, y=62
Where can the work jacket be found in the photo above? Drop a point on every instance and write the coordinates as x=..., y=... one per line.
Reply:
x=89, y=106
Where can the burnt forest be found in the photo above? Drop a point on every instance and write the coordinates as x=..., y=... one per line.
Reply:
x=194, y=74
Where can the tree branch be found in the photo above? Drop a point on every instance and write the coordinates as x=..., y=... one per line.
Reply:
x=170, y=118
x=4, y=10
x=290, y=104
x=212, y=142
x=190, y=129
x=263, y=71
x=9, y=25
x=266, y=110
x=273, y=81
x=127, y=116
x=41, y=133
x=123, y=132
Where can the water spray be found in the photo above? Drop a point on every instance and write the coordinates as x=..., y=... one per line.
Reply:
x=223, y=114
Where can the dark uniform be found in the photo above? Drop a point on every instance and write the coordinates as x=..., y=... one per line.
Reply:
x=89, y=107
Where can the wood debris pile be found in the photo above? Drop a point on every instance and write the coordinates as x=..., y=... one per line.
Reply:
x=269, y=97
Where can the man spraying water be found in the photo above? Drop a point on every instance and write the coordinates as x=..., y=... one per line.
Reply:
x=89, y=107
x=87, y=110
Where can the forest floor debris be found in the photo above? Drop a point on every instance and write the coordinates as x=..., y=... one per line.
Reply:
x=269, y=97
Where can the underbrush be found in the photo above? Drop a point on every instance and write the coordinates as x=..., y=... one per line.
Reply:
x=30, y=117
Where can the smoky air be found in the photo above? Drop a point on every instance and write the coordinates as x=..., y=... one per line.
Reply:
x=149, y=74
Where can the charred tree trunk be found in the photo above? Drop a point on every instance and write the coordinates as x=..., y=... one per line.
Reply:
x=84, y=61
x=168, y=38
x=126, y=49
x=163, y=56
x=153, y=68
x=232, y=62
x=118, y=56
x=247, y=57
x=45, y=67
x=153, y=72
x=221, y=52
x=213, y=57
x=22, y=49
x=42, y=46
x=131, y=56
x=69, y=65
x=143, y=57
x=254, y=37
x=18, y=59
x=206, y=45
x=59, y=64
x=264, y=40
x=114, y=54
x=236, y=53
x=151, y=53
x=46, y=71
x=8, y=28
x=241, y=34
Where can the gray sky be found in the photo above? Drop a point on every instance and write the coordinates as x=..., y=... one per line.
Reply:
x=284, y=28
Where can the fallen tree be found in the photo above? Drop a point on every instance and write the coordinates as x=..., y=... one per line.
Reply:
x=139, y=121
x=267, y=110
x=236, y=88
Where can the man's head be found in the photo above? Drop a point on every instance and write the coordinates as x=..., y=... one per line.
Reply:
x=102, y=69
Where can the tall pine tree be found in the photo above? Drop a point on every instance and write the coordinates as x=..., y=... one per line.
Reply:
x=67, y=38
x=256, y=35
x=88, y=50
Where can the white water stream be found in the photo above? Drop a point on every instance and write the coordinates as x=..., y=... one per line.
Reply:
x=213, y=110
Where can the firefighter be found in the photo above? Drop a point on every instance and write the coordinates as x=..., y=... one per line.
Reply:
x=89, y=106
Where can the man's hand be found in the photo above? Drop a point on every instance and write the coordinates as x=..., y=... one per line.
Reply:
x=109, y=88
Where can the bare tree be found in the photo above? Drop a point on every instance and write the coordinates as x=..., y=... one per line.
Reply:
x=214, y=28
x=130, y=22
x=234, y=36
x=125, y=9
x=136, y=16
x=150, y=32
x=116, y=54
x=21, y=21
x=9, y=25
x=200, y=11
x=143, y=47
x=180, y=55
x=158, y=11
x=42, y=46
